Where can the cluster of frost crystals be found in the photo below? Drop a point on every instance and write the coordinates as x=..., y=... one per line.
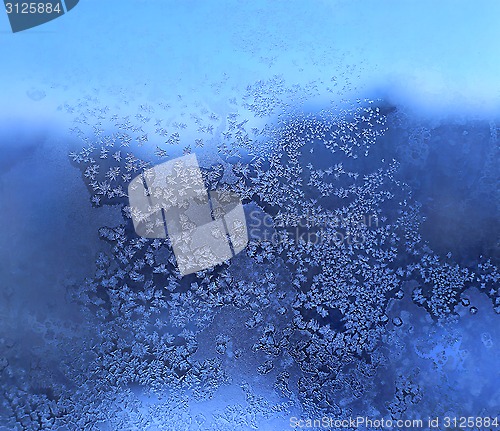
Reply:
x=488, y=277
x=310, y=302
x=344, y=226
x=266, y=97
x=315, y=295
x=441, y=287
x=407, y=393
x=148, y=317
x=349, y=233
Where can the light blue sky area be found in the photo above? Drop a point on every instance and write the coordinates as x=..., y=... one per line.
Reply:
x=442, y=56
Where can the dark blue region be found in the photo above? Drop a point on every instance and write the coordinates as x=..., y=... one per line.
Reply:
x=70, y=4
x=25, y=15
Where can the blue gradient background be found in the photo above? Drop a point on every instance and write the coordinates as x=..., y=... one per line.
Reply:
x=437, y=61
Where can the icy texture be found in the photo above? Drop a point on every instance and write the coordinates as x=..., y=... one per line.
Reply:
x=311, y=321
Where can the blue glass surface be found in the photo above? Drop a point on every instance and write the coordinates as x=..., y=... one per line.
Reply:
x=362, y=138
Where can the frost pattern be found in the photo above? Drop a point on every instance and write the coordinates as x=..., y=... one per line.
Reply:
x=312, y=308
